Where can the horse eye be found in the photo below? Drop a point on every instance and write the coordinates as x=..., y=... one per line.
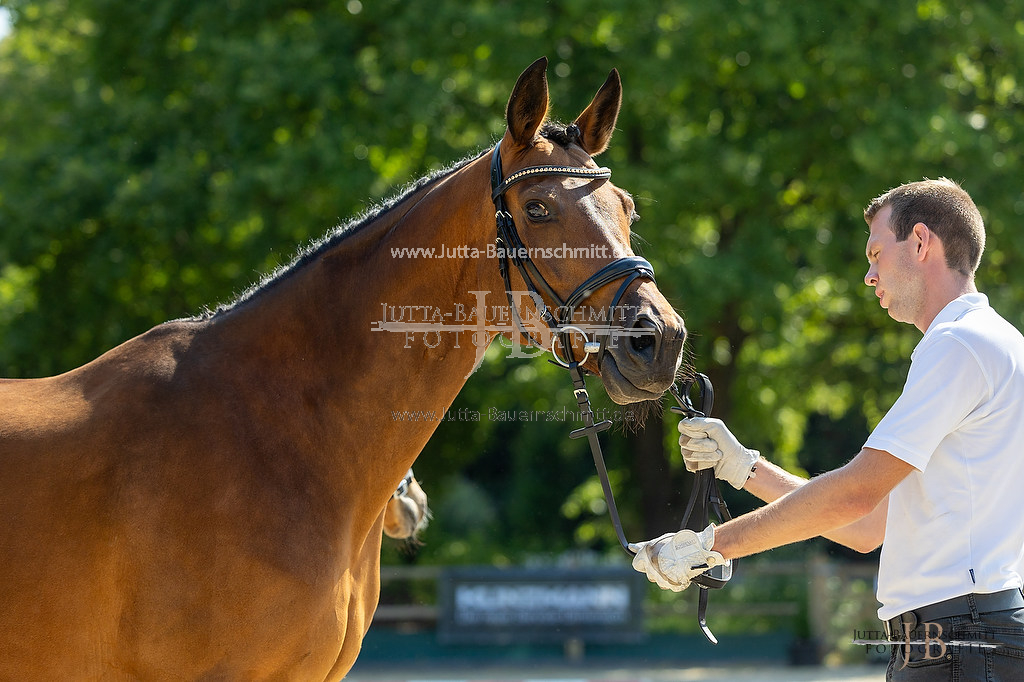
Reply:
x=537, y=211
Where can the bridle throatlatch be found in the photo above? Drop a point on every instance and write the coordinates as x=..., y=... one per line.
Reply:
x=705, y=496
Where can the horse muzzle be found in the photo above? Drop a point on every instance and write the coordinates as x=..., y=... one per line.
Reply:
x=640, y=359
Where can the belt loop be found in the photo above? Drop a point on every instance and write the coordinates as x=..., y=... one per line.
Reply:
x=908, y=625
x=972, y=603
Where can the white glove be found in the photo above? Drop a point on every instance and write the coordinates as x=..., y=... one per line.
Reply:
x=707, y=442
x=674, y=559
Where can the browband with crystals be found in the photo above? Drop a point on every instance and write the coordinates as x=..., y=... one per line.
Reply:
x=565, y=171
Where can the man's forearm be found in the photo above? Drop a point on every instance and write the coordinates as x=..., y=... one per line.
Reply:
x=770, y=481
x=832, y=507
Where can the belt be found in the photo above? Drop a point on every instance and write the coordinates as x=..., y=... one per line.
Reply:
x=897, y=627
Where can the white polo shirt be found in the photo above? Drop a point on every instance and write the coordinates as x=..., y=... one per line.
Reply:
x=954, y=524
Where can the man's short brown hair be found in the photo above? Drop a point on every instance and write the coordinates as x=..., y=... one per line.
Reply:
x=948, y=211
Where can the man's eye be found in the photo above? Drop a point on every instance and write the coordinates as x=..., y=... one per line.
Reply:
x=537, y=211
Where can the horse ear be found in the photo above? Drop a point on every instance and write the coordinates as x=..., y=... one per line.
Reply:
x=597, y=122
x=528, y=105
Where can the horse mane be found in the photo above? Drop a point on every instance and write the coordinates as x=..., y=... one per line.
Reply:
x=332, y=238
x=552, y=130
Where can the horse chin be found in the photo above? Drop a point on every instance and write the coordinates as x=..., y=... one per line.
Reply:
x=622, y=390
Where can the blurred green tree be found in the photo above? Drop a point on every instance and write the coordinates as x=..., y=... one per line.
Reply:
x=156, y=158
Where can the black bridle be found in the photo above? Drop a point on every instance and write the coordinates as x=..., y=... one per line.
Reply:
x=511, y=247
x=704, y=496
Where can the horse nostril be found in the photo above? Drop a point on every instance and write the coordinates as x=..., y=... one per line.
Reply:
x=644, y=337
x=642, y=342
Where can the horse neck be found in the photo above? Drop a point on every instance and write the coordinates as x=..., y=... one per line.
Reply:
x=379, y=395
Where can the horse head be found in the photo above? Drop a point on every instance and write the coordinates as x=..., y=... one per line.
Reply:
x=567, y=229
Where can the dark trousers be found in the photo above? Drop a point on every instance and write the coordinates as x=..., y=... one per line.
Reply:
x=974, y=647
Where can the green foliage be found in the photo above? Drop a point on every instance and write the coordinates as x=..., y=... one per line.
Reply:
x=156, y=158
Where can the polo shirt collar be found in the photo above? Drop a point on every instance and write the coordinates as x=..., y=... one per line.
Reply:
x=957, y=308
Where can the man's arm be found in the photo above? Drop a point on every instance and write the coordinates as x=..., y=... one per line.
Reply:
x=863, y=535
x=847, y=505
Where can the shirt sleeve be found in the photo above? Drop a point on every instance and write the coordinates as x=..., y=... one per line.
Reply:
x=945, y=384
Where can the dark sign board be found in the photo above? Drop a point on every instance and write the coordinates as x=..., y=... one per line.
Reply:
x=499, y=606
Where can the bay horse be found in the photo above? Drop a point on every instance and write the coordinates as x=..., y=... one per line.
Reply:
x=205, y=501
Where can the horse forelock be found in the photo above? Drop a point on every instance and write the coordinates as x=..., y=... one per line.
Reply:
x=558, y=133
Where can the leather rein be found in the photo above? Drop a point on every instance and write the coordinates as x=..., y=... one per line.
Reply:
x=705, y=496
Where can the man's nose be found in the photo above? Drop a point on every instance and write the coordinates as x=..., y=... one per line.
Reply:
x=871, y=278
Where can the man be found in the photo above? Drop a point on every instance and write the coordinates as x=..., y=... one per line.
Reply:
x=939, y=481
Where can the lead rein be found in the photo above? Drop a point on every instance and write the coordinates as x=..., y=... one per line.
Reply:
x=705, y=495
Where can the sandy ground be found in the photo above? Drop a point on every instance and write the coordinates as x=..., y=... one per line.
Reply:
x=865, y=673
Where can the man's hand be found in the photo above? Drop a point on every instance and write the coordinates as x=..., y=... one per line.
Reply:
x=674, y=559
x=706, y=442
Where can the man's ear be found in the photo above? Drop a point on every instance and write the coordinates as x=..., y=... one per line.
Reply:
x=925, y=239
